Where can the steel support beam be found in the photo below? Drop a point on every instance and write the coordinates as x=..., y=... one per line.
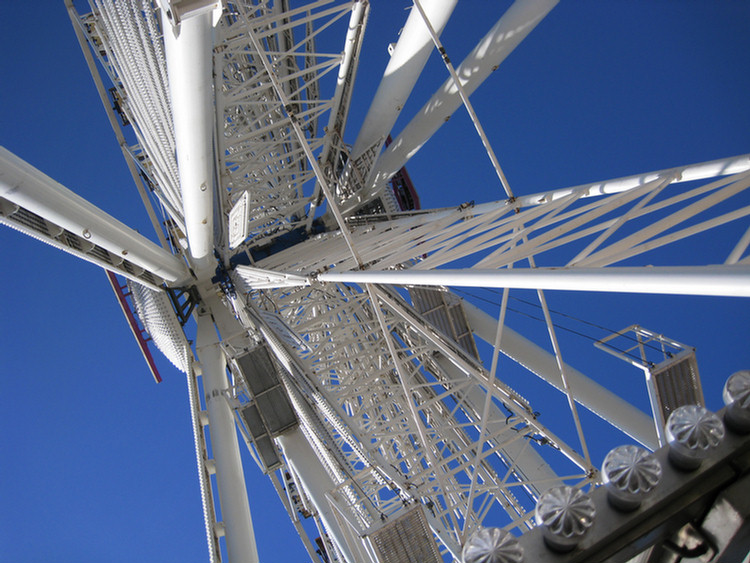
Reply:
x=517, y=22
x=687, y=173
x=28, y=187
x=407, y=60
x=189, y=48
x=317, y=483
x=235, y=508
x=599, y=400
x=719, y=281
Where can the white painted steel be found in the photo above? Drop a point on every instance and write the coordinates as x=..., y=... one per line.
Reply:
x=189, y=50
x=562, y=370
x=691, y=172
x=409, y=56
x=312, y=160
x=467, y=103
x=687, y=173
x=28, y=187
x=341, y=97
x=528, y=462
x=79, y=31
x=660, y=232
x=255, y=278
x=155, y=312
x=258, y=151
x=347, y=71
x=392, y=410
x=514, y=25
x=739, y=248
x=316, y=482
x=132, y=53
x=201, y=458
x=512, y=401
x=730, y=281
x=405, y=380
x=235, y=508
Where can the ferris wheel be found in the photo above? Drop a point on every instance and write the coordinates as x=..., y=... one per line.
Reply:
x=359, y=348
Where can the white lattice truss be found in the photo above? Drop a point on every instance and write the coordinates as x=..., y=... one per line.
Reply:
x=381, y=412
x=259, y=150
x=625, y=225
x=388, y=383
x=126, y=38
x=396, y=412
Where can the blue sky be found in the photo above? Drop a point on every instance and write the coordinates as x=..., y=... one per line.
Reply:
x=97, y=461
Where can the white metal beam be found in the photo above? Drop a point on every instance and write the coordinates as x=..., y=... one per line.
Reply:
x=87, y=55
x=465, y=99
x=28, y=187
x=235, y=508
x=588, y=393
x=492, y=49
x=687, y=173
x=305, y=464
x=347, y=72
x=342, y=96
x=724, y=280
x=404, y=67
x=189, y=49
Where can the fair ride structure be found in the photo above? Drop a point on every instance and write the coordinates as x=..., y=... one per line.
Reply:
x=581, y=99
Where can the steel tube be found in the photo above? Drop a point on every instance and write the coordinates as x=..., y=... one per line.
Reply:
x=515, y=24
x=28, y=187
x=316, y=483
x=465, y=99
x=341, y=97
x=347, y=70
x=727, y=280
x=687, y=173
x=189, y=49
x=404, y=67
x=235, y=508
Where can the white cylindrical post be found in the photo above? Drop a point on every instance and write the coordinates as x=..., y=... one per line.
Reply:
x=189, y=49
x=235, y=508
x=687, y=173
x=347, y=71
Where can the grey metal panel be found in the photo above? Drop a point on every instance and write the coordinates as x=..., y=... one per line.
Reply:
x=407, y=539
x=269, y=455
x=445, y=312
x=678, y=384
x=276, y=410
x=253, y=421
x=258, y=370
x=261, y=437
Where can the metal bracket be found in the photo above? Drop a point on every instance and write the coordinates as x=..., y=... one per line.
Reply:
x=183, y=301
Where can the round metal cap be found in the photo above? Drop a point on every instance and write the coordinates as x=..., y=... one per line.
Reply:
x=565, y=515
x=492, y=545
x=737, y=399
x=692, y=434
x=630, y=473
